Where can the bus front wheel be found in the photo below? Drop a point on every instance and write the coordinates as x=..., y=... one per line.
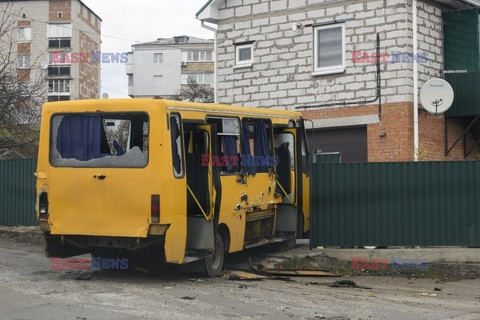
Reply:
x=214, y=261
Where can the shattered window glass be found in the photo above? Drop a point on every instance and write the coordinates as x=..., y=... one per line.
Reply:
x=99, y=140
x=177, y=147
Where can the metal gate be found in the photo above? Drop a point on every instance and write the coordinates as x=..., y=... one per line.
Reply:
x=395, y=204
x=17, y=192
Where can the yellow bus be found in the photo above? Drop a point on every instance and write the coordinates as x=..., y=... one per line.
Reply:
x=172, y=181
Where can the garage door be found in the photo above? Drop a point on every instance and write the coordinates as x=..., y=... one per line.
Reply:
x=350, y=142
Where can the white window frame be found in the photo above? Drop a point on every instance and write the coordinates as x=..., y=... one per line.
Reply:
x=157, y=57
x=27, y=36
x=332, y=69
x=60, y=30
x=62, y=53
x=244, y=63
x=63, y=83
x=157, y=81
x=23, y=61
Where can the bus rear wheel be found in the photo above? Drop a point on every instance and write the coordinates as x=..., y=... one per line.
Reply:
x=214, y=261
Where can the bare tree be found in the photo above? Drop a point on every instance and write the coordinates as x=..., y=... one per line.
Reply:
x=196, y=92
x=21, y=97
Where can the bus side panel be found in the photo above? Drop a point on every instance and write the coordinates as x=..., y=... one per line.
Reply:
x=234, y=219
x=173, y=202
x=259, y=194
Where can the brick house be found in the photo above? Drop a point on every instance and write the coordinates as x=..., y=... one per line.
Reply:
x=160, y=68
x=316, y=57
x=56, y=26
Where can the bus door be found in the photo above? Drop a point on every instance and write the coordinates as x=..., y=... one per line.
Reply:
x=289, y=217
x=305, y=173
x=200, y=190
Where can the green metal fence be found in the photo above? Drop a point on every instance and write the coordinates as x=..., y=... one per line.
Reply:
x=395, y=204
x=17, y=192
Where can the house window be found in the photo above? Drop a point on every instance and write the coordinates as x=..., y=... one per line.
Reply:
x=58, y=98
x=57, y=57
x=59, y=70
x=244, y=54
x=60, y=30
x=130, y=80
x=59, y=43
x=59, y=86
x=157, y=57
x=24, y=61
x=158, y=81
x=199, y=55
x=200, y=78
x=24, y=34
x=329, y=49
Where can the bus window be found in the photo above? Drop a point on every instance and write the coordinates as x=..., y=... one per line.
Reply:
x=228, y=133
x=285, y=150
x=177, y=146
x=99, y=140
x=256, y=151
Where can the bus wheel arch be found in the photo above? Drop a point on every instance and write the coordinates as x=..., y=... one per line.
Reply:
x=214, y=261
x=224, y=232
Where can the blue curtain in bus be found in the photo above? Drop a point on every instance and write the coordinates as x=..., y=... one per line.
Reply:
x=78, y=137
x=260, y=145
x=246, y=156
x=229, y=144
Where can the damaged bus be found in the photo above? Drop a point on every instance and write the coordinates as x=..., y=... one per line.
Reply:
x=169, y=181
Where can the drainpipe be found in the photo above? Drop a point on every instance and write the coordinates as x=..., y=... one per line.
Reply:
x=214, y=60
x=415, y=80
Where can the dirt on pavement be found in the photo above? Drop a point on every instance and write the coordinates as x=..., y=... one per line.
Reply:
x=30, y=289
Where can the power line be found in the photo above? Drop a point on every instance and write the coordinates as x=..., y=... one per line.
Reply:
x=105, y=88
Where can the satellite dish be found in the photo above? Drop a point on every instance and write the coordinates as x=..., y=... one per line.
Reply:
x=104, y=95
x=44, y=65
x=436, y=96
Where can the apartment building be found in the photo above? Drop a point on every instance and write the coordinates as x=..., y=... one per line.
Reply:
x=160, y=68
x=318, y=57
x=50, y=36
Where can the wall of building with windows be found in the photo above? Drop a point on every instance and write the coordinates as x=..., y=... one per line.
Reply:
x=160, y=68
x=323, y=54
x=46, y=27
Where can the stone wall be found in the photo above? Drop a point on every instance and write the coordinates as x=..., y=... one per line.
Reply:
x=281, y=75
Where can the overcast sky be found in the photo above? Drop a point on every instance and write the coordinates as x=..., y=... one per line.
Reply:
x=126, y=22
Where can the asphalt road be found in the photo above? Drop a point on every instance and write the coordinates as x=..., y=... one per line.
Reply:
x=30, y=289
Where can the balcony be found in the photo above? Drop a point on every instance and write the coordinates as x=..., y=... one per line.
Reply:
x=466, y=89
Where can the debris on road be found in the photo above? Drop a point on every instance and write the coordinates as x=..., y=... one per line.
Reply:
x=428, y=294
x=346, y=284
x=437, y=289
x=241, y=275
x=83, y=276
x=243, y=286
x=187, y=298
x=289, y=272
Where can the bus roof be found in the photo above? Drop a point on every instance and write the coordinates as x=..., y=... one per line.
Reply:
x=103, y=105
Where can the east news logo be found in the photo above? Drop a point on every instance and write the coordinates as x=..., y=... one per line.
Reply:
x=396, y=263
x=95, y=263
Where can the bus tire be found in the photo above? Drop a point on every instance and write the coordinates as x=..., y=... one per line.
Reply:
x=214, y=262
